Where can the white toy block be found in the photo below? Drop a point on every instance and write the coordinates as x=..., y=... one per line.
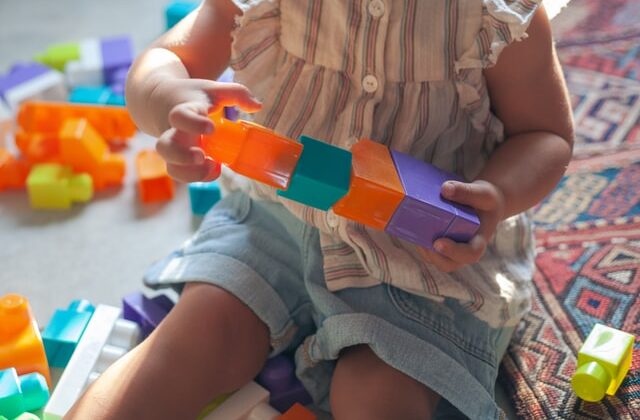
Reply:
x=106, y=339
x=49, y=86
x=88, y=70
x=6, y=123
x=251, y=402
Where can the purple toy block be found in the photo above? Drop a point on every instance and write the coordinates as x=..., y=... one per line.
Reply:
x=423, y=215
x=20, y=73
x=279, y=378
x=144, y=311
x=117, y=54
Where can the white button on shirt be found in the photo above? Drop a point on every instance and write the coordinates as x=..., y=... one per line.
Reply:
x=332, y=219
x=376, y=8
x=370, y=83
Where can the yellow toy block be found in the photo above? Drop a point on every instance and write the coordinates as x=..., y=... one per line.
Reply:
x=603, y=362
x=53, y=186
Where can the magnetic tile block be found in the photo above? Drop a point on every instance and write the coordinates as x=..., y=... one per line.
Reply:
x=31, y=81
x=249, y=402
x=13, y=172
x=57, y=56
x=375, y=190
x=322, y=175
x=62, y=334
x=203, y=196
x=253, y=151
x=178, y=10
x=423, y=215
x=146, y=312
x=105, y=340
x=88, y=69
x=55, y=187
x=11, y=401
x=154, y=183
x=298, y=412
x=112, y=123
x=20, y=342
x=6, y=122
x=603, y=362
x=278, y=377
x=117, y=54
x=95, y=95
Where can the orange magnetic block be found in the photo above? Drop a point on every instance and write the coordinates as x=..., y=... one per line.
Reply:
x=154, y=183
x=13, y=172
x=20, y=342
x=375, y=190
x=253, y=151
x=112, y=122
x=297, y=412
x=38, y=147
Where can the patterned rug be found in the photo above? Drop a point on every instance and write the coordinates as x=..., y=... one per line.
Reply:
x=588, y=229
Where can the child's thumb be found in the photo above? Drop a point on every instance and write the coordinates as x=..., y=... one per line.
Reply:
x=233, y=94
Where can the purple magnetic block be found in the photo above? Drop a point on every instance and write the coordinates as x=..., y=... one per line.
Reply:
x=117, y=54
x=231, y=113
x=143, y=311
x=21, y=73
x=283, y=400
x=464, y=226
x=277, y=374
x=164, y=302
x=117, y=88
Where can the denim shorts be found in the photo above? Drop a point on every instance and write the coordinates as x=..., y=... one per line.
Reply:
x=272, y=261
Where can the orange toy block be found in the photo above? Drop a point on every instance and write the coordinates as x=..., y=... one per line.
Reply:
x=13, y=172
x=84, y=149
x=38, y=147
x=20, y=342
x=154, y=183
x=297, y=412
x=252, y=150
x=113, y=123
x=375, y=190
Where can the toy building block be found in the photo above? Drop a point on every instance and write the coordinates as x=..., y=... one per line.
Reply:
x=203, y=196
x=375, y=190
x=21, y=393
x=230, y=112
x=146, y=312
x=38, y=147
x=13, y=172
x=117, y=56
x=58, y=55
x=278, y=377
x=603, y=362
x=20, y=342
x=82, y=147
x=31, y=81
x=154, y=183
x=113, y=123
x=178, y=10
x=322, y=175
x=100, y=61
x=96, y=95
x=54, y=186
x=252, y=150
x=423, y=215
x=298, y=412
x=212, y=406
x=105, y=340
x=6, y=122
x=249, y=402
x=62, y=334
x=27, y=416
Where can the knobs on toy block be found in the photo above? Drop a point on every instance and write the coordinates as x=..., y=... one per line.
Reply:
x=154, y=183
x=13, y=172
x=375, y=190
x=252, y=150
x=20, y=342
x=56, y=56
x=603, y=362
x=54, y=186
x=38, y=147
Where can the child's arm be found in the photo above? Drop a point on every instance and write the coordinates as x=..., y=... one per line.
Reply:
x=529, y=95
x=170, y=89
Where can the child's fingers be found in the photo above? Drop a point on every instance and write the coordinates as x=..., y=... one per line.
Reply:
x=207, y=171
x=480, y=194
x=232, y=94
x=191, y=118
x=462, y=253
x=180, y=148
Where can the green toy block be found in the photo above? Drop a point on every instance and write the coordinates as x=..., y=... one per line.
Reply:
x=322, y=175
x=603, y=362
x=64, y=331
x=58, y=55
x=53, y=186
x=27, y=416
x=11, y=401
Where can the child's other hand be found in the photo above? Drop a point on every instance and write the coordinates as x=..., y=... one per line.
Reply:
x=180, y=145
x=488, y=201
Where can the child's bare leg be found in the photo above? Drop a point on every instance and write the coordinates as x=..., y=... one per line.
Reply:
x=365, y=387
x=209, y=344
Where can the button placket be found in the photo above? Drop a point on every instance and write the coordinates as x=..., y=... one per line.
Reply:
x=370, y=83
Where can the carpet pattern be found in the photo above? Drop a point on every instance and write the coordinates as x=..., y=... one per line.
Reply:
x=588, y=228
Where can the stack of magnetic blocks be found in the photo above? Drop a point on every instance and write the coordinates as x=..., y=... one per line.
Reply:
x=383, y=189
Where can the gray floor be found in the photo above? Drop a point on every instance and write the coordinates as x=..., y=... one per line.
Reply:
x=96, y=251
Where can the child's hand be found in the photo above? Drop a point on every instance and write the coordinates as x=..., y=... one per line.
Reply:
x=488, y=201
x=193, y=100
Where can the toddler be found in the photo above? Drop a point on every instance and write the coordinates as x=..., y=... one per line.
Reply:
x=381, y=329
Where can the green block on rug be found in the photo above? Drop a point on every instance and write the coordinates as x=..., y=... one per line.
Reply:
x=322, y=175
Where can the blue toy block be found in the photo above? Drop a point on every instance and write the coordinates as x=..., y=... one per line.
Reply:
x=95, y=95
x=21, y=393
x=177, y=10
x=147, y=313
x=203, y=196
x=278, y=377
x=65, y=329
x=322, y=175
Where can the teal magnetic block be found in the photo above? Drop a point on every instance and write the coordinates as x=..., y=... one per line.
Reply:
x=64, y=331
x=116, y=100
x=35, y=391
x=203, y=196
x=90, y=95
x=177, y=10
x=322, y=175
x=11, y=401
